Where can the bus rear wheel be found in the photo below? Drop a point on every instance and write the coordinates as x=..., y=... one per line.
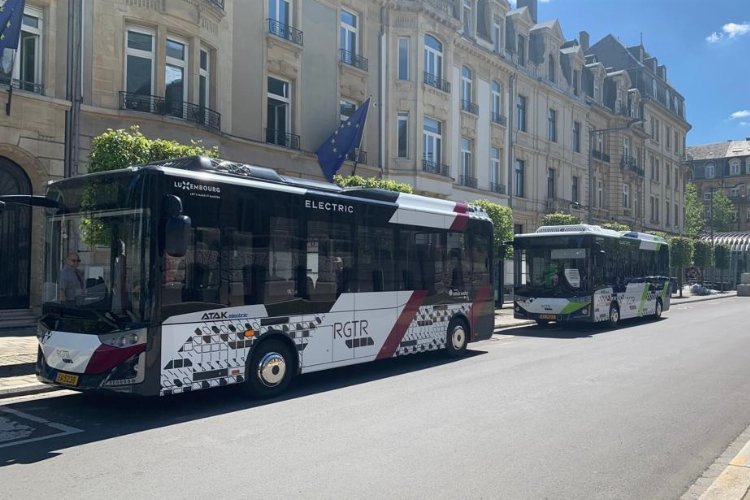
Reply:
x=269, y=370
x=614, y=316
x=658, y=310
x=457, y=338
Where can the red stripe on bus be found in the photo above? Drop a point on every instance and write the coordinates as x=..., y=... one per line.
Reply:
x=459, y=223
x=402, y=324
x=481, y=299
x=461, y=207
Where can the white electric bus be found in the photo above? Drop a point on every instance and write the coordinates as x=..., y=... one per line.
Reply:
x=587, y=273
x=199, y=273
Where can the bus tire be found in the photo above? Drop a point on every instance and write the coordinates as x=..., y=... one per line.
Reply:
x=542, y=322
x=613, y=319
x=658, y=310
x=269, y=370
x=457, y=338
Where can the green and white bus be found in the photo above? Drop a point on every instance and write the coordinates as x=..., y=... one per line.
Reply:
x=586, y=273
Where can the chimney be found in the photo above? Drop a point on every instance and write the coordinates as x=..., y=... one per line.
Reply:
x=583, y=37
x=531, y=4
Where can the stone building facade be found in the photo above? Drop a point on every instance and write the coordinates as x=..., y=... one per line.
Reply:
x=471, y=99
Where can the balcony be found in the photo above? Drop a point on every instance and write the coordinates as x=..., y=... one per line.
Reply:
x=158, y=105
x=218, y=3
x=600, y=156
x=282, y=138
x=499, y=119
x=435, y=168
x=36, y=88
x=437, y=82
x=284, y=31
x=357, y=156
x=559, y=205
x=629, y=164
x=469, y=107
x=352, y=59
x=497, y=188
x=467, y=181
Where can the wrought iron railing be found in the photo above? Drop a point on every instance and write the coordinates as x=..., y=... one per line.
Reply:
x=357, y=156
x=284, y=31
x=282, y=138
x=218, y=3
x=469, y=106
x=497, y=188
x=437, y=82
x=158, y=105
x=352, y=59
x=600, y=156
x=36, y=88
x=435, y=167
x=630, y=163
x=499, y=119
x=467, y=181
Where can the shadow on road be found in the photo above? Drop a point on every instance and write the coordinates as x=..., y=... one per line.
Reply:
x=571, y=330
x=102, y=417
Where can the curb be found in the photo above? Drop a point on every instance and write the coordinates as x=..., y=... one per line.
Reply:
x=26, y=390
x=734, y=482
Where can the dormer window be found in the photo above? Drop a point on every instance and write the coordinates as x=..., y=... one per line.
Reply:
x=734, y=166
x=710, y=171
x=551, y=68
x=521, y=48
x=467, y=17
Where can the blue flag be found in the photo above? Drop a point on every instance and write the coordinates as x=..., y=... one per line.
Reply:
x=333, y=151
x=11, y=14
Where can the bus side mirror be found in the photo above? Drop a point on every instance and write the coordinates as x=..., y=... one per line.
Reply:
x=176, y=229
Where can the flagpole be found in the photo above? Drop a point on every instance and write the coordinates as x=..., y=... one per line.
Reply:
x=359, y=146
x=10, y=83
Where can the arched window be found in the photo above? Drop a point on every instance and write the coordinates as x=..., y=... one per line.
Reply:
x=551, y=68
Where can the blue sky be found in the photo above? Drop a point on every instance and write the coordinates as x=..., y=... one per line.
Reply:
x=705, y=46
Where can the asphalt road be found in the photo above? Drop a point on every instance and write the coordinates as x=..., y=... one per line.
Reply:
x=576, y=412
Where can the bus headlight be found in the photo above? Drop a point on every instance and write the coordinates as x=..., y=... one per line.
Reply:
x=121, y=340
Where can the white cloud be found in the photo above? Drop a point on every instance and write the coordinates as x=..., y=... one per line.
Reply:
x=740, y=114
x=744, y=124
x=729, y=30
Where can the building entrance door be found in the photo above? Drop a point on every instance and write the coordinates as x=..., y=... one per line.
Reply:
x=15, y=239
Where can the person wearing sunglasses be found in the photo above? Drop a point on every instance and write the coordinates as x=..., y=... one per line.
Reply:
x=71, y=278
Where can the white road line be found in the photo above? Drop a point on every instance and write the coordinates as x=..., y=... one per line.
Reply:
x=24, y=430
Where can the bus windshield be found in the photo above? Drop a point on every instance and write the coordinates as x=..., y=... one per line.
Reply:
x=96, y=260
x=551, y=267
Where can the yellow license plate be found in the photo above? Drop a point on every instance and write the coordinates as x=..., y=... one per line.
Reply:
x=67, y=379
x=547, y=316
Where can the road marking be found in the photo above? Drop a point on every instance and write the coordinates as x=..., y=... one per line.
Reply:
x=14, y=432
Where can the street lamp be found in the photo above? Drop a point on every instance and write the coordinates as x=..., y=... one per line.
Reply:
x=592, y=133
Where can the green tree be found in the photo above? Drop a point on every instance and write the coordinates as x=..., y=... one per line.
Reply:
x=721, y=259
x=115, y=149
x=560, y=219
x=681, y=256
x=723, y=210
x=615, y=226
x=695, y=221
x=371, y=182
x=502, y=219
x=702, y=255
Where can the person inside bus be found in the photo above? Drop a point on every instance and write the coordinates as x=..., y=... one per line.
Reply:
x=71, y=278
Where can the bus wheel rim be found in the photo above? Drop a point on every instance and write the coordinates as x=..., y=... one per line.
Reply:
x=271, y=369
x=614, y=315
x=458, y=337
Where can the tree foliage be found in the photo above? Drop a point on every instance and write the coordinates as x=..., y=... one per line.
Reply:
x=681, y=256
x=502, y=219
x=722, y=256
x=115, y=149
x=702, y=254
x=560, y=219
x=723, y=210
x=371, y=182
x=615, y=226
x=694, y=212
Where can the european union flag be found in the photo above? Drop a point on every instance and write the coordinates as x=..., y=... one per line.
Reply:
x=11, y=14
x=333, y=151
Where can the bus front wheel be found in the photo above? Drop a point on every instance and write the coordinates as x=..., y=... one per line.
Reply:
x=270, y=370
x=658, y=310
x=614, y=316
x=458, y=338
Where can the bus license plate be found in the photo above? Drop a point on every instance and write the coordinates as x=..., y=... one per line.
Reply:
x=67, y=379
x=547, y=316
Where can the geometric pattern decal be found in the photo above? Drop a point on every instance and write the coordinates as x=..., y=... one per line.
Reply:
x=428, y=331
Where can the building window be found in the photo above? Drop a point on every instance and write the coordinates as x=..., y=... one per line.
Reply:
x=518, y=187
x=577, y=137
x=497, y=101
x=552, y=125
x=599, y=194
x=707, y=195
x=667, y=218
x=575, y=82
x=280, y=11
x=349, y=36
x=497, y=35
x=346, y=109
x=668, y=170
x=278, y=121
x=139, y=62
x=521, y=47
x=626, y=147
x=710, y=171
x=27, y=63
x=734, y=192
x=433, y=141
x=494, y=167
x=551, y=184
x=433, y=57
x=551, y=68
x=625, y=196
x=521, y=113
x=403, y=135
x=466, y=88
x=466, y=165
x=676, y=145
x=667, y=137
x=204, y=79
x=575, y=189
x=175, y=82
x=734, y=167
x=676, y=216
x=467, y=17
x=403, y=58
